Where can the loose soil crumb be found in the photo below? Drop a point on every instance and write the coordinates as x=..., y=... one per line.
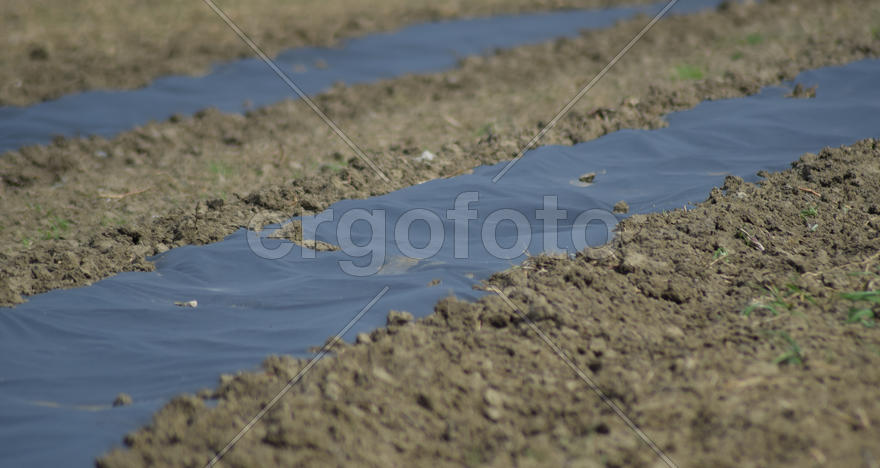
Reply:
x=79, y=210
x=801, y=92
x=724, y=354
x=588, y=178
x=123, y=399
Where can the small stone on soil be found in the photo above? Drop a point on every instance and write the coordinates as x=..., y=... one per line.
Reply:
x=426, y=156
x=123, y=399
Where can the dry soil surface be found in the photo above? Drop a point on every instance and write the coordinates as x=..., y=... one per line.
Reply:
x=723, y=331
x=725, y=348
x=79, y=210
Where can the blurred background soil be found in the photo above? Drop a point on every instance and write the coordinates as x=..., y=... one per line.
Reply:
x=53, y=48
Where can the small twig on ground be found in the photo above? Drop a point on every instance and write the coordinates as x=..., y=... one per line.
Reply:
x=752, y=239
x=809, y=190
x=451, y=121
x=119, y=196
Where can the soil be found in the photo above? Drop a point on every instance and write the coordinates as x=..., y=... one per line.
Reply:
x=50, y=49
x=720, y=331
x=723, y=331
x=79, y=210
